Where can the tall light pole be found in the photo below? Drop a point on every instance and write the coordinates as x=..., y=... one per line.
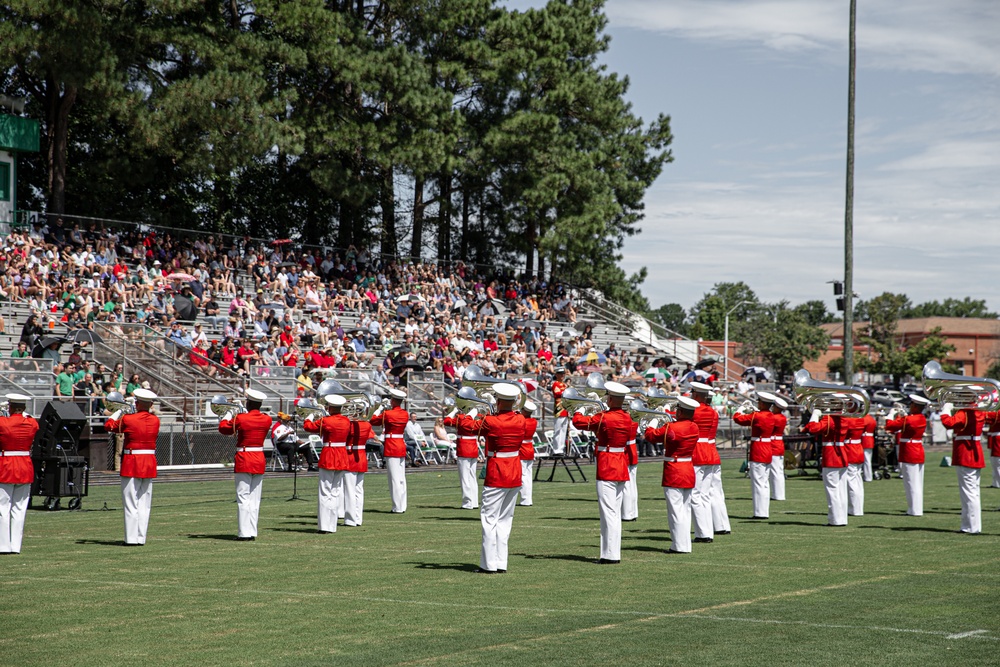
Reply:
x=725, y=348
x=849, y=212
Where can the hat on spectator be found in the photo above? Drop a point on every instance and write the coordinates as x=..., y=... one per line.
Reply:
x=701, y=387
x=616, y=389
x=780, y=402
x=560, y=369
x=766, y=396
x=334, y=399
x=255, y=395
x=505, y=391
x=914, y=398
x=686, y=403
x=17, y=399
x=145, y=384
x=156, y=263
x=396, y=393
x=529, y=406
x=284, y=416
x=144, y=394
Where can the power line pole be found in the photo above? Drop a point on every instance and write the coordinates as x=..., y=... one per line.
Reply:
x=849, y=213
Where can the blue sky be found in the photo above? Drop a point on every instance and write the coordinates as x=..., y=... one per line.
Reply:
x=757, y=93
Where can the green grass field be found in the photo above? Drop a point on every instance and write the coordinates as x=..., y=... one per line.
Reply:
x=887, y=590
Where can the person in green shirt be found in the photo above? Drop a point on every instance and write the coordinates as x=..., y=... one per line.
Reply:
x=65, y=380
x=21, y=352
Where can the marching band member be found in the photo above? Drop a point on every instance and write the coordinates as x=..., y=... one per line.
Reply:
x=138, y=467
x=527, y=454
x=855, y=465
x=778, y=448
x=17, y=472
x=560, y=429
x=357, y=466
x=250, y=429
x=868, y=444
x=679, y=440
x=467, y=453
x=832, y=430
x=504, y=433
x=911, y=429
x=393, y=422
x=335, y=430
x=630, y=501
x=708, y=502
x=615, y=429
x=992, y=420
x=761, y=424
x=967, y=458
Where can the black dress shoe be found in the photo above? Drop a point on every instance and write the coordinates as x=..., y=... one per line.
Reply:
x=723, y=532
x=313, y=469
x=245, y=539
x=836, y=525
x=628, y=519
x=702, y=540
x=501, y=571
x=482, y=571
x=131, y=544
x=325, y=532
x=606, y=561
x=671, y=551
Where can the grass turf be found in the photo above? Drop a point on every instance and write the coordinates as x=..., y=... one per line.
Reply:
x=888, y=589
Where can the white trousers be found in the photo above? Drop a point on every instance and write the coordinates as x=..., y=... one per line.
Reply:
x=913, y=484
x=497, y=516
x=13, y=508
x=342, y=503
x=331, y=487
x=526, y=469
x=467, y=479
x=354, y=498
x=610, y=499
x=137, y=499
x=701, y=501
x=995, y=461
x=395, y=468
x=248, y=489
x=630, y=505
x=855, y=489
x=968, y=490
x=759, y=473
x=679, y=518
x=560, y=431
x=777, y=477
x=868, y=465
x=720, y=513
x=835, y=481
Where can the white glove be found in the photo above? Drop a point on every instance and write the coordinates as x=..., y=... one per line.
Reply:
x=815, y=416
x=891, y=415
x=474, y=412
x=653, y=423
x=116, y=415
x=379, y=410
x=580, y=410
x=228, y=417
x=451, y=415
x=948, y=409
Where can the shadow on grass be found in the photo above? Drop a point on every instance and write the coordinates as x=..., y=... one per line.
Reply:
x=456, y=518
x=569, y=557
x=299, y=523
x=649, y=530
x=922, y=529
x=788, y=523
x=655, y=550
x=648, y=538
x=806, y=513
x=312, y=531
x=229, y=537
x=103, y=543
x=570, y=518
x=461, y=567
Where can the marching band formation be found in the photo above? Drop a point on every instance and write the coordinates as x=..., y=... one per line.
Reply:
x=498, y=413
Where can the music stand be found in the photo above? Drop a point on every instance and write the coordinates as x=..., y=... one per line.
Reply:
x=295, y=483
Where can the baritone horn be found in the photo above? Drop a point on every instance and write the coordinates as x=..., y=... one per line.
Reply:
x=573, y=400
x=642, y=414
x=963, y=391
x=116, y=401
x=468, y=400
x=482, y=384
x=830, y=399
x=307, y=408
x=220, y=406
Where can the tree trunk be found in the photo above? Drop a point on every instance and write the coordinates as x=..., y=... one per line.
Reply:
x=531, y=238
x=388, y=214
x=463, y=249
x=57, y=134
x=418, y=218
x=444, y=218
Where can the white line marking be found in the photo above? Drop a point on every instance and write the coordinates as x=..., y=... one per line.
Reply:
x=970, y=633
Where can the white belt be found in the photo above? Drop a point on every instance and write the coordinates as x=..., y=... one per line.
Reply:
x=710, y=441
x=139, y=451
x=912, y=442
x=334, y=444
x=526, y=442
x=354, y=448
x=767, y=439
x=679, y=460
x=612, y=450
x=833, y=444
x=502, y=455
x=15, y=453
x=393, y=436
x=965, y=437
x=468, y=437
x=853, y=442
x=630, y=443
x=250, y=449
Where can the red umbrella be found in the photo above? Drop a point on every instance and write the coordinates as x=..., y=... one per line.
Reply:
x=281, y=242
x=529, y=384
x=181, y=276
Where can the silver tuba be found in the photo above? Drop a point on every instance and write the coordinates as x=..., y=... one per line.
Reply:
x=116, y=401
x=657, y=398
x=467, y=400
x=830, y=399
x=595, y=386
x=482, y=384
x=963, y=391
x=642, y=414
x=220, y=406
x=573, y=400
x=307, y=408
x=360, y=405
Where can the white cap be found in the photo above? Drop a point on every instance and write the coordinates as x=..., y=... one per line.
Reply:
x=255, y=395
x=766, y=396
x=506, y=391
x=529, y=406
x=780, y=402
x=334, y=399
x=17, y=398
x=914, y=398
x=616, y=389
x=144, y=395
x=687, y=403
x=396, y=393
x=701, y=387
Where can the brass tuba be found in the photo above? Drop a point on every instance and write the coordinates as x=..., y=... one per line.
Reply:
x=482, y=384
x=830, y=399
x=573, y=400
x=595, y=386
x=657, y=398
x=642, y=414
x=307, y=408
x=963, y=391
x=220, y=406
x=467, y=400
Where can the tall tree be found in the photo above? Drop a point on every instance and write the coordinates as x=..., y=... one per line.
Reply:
x=709, y=314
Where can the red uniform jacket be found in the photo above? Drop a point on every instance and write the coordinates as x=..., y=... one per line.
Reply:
x=992, y=421
x=504, y=433
x=705, y=453
x=633, y=450
x=679, y=440
x=251, y=429
x=831, y=432
x=393, y=423
x=17, y=432
x=868, y=437
x=140, y=431
x=852, y=440
x=778, y=434
x=614, y=429
x=966, y=450
x=335, y=431
x=528, y=444
x=357, y=455
x=761, y=424
x=467, y=444
x=911, y=436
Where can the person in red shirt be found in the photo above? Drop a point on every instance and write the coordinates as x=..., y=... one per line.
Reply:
x=504, y=433
x=138, y=468
x=560, y=429
x=614, y=429
x=868, y=444
x=527, y=454
x=679, y=440
x=832, y=430
x=393, y=422
x=251, y=429
x=855, y=465
x=967, y=459
x=708, y=501
x=911, y=429
x=761, y=425
x=17, y=472
x=357, y=466
x=777, y=471
x=467, y=453
x=335, y=430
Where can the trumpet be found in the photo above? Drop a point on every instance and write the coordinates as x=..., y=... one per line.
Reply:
x=115, y=401
x=642, y=414
x=482, y=384
x=963, y=391
x=830, y=399
x=220, y=405
x=573, y=400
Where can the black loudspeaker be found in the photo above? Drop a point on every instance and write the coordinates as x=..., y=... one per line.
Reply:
x=65, y=476
x=59, y=430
